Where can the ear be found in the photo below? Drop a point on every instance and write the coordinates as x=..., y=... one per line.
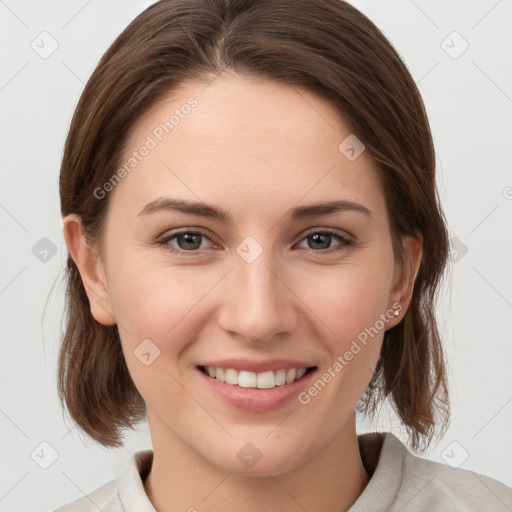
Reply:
x=405, y=276
x=89, y=264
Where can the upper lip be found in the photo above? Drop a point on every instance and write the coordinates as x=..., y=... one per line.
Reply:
x=257, y=366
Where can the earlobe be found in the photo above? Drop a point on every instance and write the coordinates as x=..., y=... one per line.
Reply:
x=88, y=262
x=405, y=275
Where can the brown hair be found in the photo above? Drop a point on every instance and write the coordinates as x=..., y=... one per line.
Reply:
x=325, y=46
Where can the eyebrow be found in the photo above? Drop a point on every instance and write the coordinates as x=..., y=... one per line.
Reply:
x=214, y=212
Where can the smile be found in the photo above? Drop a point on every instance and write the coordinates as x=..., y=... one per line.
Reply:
x=262, y=380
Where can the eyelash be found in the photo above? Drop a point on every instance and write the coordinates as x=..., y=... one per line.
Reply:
x=166, y=238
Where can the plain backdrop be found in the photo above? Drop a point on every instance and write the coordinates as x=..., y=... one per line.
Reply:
x=459, y=54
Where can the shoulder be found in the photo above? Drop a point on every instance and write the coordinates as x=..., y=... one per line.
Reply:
x=124, y=494
x=104, y=498
x=432, y=484
x=411, y=483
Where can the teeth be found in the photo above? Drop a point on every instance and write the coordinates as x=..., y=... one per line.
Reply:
x=263, y=380
x=246, y=379
x=266, y=380
x=280, y=377
x=290, y=375
x=231, y=377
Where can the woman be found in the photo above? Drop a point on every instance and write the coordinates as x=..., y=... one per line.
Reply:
x=255, y=244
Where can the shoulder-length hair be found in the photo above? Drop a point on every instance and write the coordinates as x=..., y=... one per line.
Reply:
x=325, y=46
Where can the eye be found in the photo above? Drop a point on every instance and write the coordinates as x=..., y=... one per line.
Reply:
x=186, y=241
x=321, y=240
x=191, y=242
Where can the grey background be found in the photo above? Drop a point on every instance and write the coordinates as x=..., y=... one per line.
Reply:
x=469, y=100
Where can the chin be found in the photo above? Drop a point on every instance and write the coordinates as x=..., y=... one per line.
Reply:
x=259, y=458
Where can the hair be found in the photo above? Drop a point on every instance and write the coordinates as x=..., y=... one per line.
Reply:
x=324, y=46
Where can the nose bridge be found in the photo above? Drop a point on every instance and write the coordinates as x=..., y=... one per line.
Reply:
x=257, y=304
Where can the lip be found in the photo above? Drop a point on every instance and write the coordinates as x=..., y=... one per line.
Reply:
x=254, y=399
x=266, y=365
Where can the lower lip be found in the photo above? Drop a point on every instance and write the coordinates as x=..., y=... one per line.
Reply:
x=254, y=399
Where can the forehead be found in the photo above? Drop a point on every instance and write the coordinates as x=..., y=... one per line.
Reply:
x=246, y=142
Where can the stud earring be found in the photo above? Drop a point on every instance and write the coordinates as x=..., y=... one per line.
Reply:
x=396, y=312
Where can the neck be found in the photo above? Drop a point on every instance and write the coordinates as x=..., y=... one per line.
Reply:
x=182, y=480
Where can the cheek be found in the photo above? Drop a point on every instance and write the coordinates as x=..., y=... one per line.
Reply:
x=352, y=306
x=348, y=300
x=152, y=299
x=153, y=306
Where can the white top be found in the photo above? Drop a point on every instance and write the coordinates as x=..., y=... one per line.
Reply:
x=400, y=481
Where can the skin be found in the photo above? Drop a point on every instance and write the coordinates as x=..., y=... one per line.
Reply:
x=257, y=149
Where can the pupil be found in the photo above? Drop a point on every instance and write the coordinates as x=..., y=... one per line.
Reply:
x=189, y=239
x=321, y=239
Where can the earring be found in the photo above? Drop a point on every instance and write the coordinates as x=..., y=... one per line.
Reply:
x=396, y=312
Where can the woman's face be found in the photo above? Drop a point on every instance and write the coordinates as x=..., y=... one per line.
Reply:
x=213, y=257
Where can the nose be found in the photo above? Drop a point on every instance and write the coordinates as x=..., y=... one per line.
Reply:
x=258, y=303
